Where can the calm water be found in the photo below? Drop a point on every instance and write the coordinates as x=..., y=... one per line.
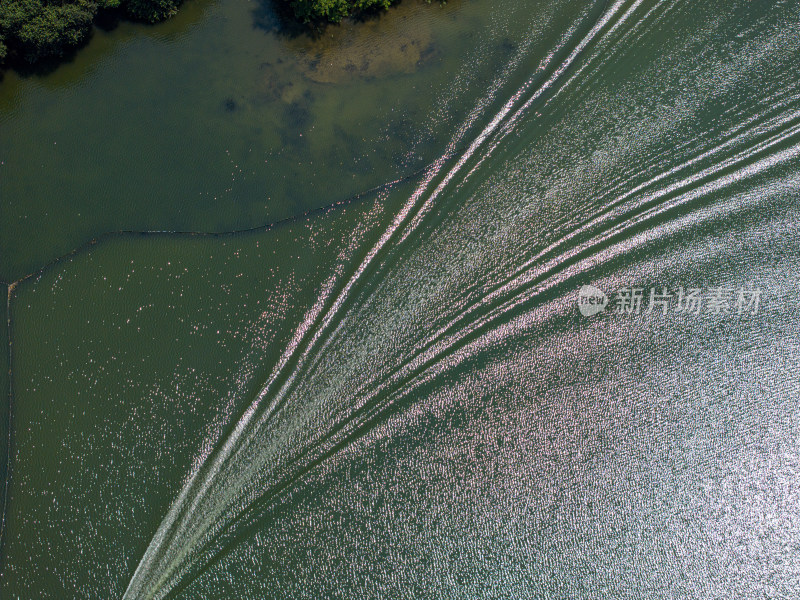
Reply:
x=396, y=396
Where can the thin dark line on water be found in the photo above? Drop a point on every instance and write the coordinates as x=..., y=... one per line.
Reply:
x=110, y=235
x=9, y=437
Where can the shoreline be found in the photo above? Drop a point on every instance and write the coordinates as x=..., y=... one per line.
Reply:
x=39, y=41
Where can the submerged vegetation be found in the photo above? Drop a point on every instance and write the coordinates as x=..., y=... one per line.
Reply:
x=35, y=30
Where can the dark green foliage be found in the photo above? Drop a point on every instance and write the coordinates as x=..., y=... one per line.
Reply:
x=333, y=10
x=33, y=30
x=151, y=10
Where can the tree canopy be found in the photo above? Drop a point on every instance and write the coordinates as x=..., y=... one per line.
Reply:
x=33, y=30
x=333, y=10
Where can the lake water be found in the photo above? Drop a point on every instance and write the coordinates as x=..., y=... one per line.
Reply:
x=339, y=351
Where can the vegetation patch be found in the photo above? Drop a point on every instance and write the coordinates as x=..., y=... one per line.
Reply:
x=35, y=30
x=334, y=10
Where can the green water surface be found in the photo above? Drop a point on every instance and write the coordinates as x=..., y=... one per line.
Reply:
x=395, y=395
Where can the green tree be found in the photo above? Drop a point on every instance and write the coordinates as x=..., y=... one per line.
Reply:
x=151, y=11
x=333, y=10
x=38, y=29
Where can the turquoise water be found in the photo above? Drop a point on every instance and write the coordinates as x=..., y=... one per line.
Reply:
x=397, y=396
